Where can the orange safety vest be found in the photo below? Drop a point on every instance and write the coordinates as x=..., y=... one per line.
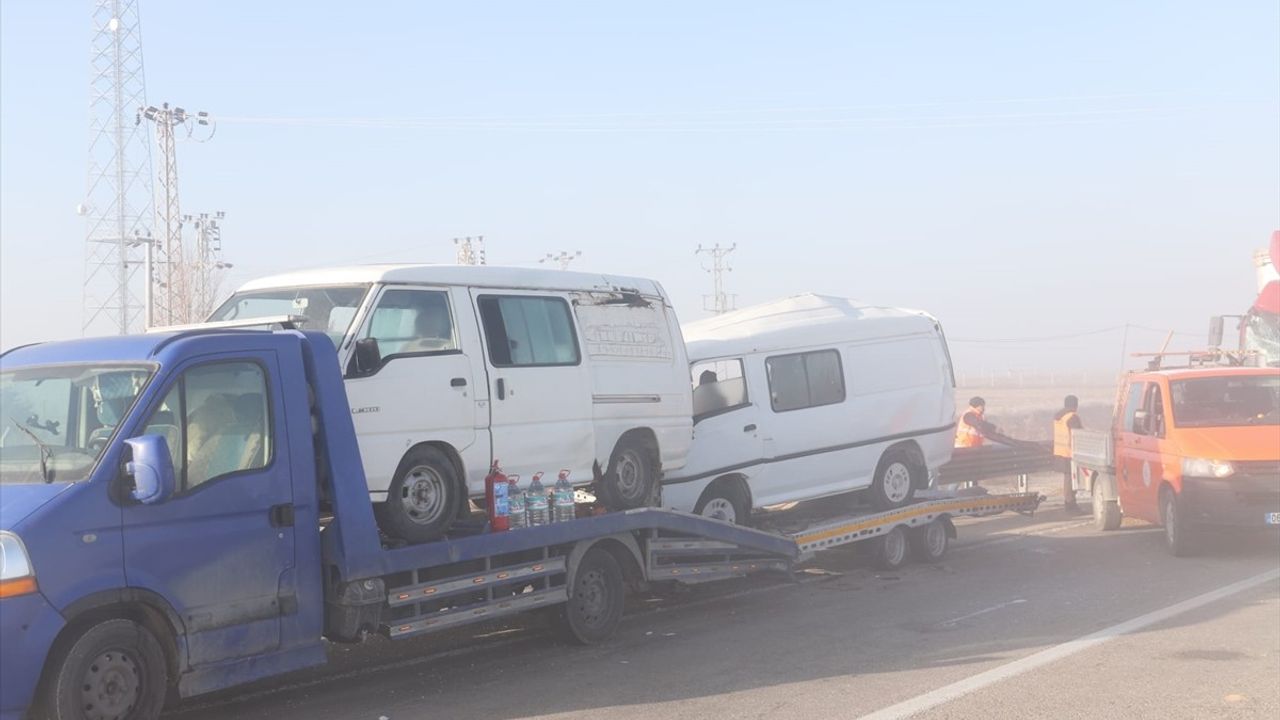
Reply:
x=1062, y=435
x=967, y=436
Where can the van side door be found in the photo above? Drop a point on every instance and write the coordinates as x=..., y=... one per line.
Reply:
x=221, y=549
x=540, y=386
x=422, y=390
x=806, y=426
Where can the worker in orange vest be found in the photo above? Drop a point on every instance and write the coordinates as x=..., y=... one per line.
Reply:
x=973, y=429
x=1066, y=420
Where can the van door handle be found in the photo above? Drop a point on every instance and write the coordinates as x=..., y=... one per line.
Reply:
x=458, y=382
x=749, y=428
x=502, y=389
x=281, y=515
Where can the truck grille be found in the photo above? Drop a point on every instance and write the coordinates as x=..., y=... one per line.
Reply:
x=1258, y=468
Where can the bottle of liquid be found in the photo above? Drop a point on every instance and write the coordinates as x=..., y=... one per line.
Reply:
x=515, y=503
x=562, y=508
x=535, y=502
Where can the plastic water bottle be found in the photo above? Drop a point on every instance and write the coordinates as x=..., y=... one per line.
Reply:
x=515, y=503
x=535, y=502
x=562, y=507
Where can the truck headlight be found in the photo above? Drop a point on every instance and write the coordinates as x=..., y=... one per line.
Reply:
x=1200, y=467
x=17, y=577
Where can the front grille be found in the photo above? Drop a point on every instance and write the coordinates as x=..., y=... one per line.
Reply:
x=1258, y=468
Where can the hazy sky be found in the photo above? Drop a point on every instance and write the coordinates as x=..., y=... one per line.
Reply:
x=1019, y=169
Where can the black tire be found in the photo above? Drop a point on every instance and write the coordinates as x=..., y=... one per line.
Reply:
x=115, y=669
x=891, y=550
x=725, y=500
x=1179, y=535
x=899, y=473
x=929, y=543
x=631, y=480
x=597, y=592
x=424, y=498
x=1106, y=513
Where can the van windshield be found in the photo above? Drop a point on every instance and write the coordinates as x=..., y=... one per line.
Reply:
x=1226, y=401
x=57, y=420
x=328, y=309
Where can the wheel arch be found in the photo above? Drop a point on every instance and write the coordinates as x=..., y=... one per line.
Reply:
x=734, y=478
x=455, y=459
x=623, y=548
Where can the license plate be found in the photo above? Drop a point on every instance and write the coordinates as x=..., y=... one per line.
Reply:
x=1273, y=518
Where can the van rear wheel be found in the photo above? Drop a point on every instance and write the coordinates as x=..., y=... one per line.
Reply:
x=899, y=473
x=725, y=500
x=632, y=478
x=424, y=497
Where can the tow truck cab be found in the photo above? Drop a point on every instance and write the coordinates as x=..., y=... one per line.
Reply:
x=1199, y=447
x=160, y=497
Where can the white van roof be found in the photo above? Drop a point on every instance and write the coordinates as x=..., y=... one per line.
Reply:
x=799, y=322
x=468, y=275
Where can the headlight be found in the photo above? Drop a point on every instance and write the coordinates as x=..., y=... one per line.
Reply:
x=17, y=577
x=1200, y=467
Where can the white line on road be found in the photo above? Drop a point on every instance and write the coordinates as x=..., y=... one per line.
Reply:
x=984, y=611
x=947, y=693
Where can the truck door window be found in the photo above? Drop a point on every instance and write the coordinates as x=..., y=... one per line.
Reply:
x=216, y=422
x=528, y=331
x=718, y=386
x=412, y=322
x=1155, y=410
x=805, y=380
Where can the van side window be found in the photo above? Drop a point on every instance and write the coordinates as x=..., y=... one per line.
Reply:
x=1155, y=410
x=215, y=422
x=805, y=380
x=528, y=331
x=718, y=386
x=407, y=322
x=1132, y=405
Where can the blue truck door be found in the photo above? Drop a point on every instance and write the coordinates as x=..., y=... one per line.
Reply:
x=221, y=550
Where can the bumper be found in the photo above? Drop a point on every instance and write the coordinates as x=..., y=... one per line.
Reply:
x=28, y=626
x=1241, y=501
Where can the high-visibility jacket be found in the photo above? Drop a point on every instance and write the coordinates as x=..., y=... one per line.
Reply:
x=968, y=436
x=1062, y=434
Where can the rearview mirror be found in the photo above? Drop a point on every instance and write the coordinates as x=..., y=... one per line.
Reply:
x=1216, y=324
x=1140, y=422
x=151, y=469
x=368, y=358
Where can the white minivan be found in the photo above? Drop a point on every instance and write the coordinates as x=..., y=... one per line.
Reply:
x=451, y=367
x=812, y=396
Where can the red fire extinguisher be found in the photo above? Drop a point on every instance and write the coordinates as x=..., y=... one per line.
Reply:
x=495, y=498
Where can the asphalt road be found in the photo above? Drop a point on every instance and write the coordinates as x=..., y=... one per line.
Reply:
x=1026, y=617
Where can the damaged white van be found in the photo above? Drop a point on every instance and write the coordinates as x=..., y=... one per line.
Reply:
x=812, y=396
x=449, y=367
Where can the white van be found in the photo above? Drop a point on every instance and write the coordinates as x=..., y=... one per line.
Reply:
x=449, y=367
x=812, y=396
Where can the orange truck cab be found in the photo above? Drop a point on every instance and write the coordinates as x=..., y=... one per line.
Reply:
x=1190, y=449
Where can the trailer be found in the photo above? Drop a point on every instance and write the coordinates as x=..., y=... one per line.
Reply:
x=151, y=548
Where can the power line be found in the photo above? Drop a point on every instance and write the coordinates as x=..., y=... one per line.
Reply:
x=720, y=301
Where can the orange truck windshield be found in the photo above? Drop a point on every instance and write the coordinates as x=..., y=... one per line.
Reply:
x=1226, y=401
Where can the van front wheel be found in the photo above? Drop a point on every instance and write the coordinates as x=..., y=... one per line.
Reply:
x=632, y=478
x=116, y=669
x=899, y=473
x=423, y=499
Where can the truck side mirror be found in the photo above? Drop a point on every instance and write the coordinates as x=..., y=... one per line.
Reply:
x=151, y=469
x=367, y=356
x=1140, y=422
x=1216, y=324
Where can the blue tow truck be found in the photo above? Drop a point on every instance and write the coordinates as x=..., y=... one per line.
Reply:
x=182, y=512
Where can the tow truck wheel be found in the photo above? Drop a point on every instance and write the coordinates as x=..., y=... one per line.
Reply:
x=1179, y=536
x=890, y=550
x=116, y=669
x=897, y=477
x=424, y=497
x=1106, y=513
x=930, y=542
x=596, y=593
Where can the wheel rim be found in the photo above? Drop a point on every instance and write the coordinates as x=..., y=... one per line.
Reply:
x=720, y=509
x=628, y=473
x=895, y=547
x=935, y=539
x=897, y=482
x=424, y=495
x=591, y=599
x=111, y=686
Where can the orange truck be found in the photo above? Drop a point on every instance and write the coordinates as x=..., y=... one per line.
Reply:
x=1193, y=449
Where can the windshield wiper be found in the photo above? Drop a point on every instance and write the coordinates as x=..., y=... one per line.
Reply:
x=46, y=452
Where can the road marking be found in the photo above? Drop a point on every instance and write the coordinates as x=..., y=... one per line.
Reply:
x=1008, y=536
x=955, y=690
x=984, y=611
